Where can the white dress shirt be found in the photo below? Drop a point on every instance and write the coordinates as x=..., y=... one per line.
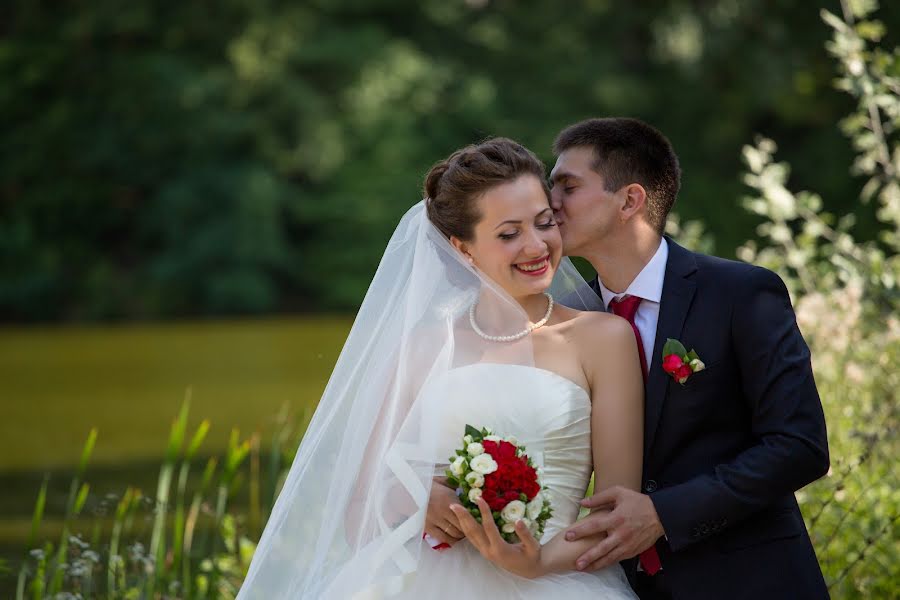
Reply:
x=647, y=285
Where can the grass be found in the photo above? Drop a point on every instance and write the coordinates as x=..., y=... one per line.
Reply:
x=128, y=382
x=97, y=560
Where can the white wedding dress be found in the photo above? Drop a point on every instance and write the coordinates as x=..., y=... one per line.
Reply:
x=548, y=413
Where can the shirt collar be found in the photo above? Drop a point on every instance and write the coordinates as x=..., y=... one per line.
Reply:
x=649, y=282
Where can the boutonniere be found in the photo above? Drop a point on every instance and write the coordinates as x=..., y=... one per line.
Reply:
x=679, y=363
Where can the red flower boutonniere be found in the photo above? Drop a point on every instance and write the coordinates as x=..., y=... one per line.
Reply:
x=679, y=363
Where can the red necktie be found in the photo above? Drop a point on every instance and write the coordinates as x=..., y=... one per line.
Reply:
x=626, y=308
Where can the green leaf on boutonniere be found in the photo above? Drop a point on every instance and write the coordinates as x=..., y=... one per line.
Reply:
x=472, y=431
x=674, y=347
x=692, y=355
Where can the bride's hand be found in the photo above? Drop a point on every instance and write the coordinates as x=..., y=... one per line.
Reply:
x=523, y=559
x=440, y=522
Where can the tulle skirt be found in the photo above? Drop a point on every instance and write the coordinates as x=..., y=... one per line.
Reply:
x=461, y=572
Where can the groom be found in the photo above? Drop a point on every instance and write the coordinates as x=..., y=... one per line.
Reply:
x=725, y=450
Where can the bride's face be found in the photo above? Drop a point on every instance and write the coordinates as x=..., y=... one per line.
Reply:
x=516, y=243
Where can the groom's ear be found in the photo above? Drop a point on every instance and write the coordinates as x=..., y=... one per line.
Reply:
x=635, y=200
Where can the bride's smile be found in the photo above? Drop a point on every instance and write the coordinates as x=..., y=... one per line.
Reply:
x=534, y=268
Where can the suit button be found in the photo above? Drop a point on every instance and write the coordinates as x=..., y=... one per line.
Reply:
x=704, y=529
x=650, y=486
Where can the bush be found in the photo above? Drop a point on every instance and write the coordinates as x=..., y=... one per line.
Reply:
x=847, y=299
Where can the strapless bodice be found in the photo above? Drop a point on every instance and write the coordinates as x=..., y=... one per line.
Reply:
x=545, y=411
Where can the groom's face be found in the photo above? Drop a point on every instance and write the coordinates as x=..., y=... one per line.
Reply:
x=585, y=211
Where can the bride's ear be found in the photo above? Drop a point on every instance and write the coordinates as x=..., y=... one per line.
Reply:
x=462, y=248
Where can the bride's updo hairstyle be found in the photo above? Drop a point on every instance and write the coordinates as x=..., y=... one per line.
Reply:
x=453, y=186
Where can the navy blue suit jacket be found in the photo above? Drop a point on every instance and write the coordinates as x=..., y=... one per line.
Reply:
x=725, y=452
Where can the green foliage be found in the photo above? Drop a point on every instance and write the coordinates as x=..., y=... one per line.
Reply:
x=165, y=160
x=847, y=300
x=197, y=551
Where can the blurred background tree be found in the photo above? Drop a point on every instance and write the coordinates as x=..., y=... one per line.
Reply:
x=163, y=159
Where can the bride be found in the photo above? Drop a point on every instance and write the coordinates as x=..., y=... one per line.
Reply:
x=464, y=323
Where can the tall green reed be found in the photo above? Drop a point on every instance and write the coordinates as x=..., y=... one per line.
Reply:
x=198, y=544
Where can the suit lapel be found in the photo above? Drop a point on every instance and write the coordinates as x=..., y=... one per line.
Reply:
x=677, y=294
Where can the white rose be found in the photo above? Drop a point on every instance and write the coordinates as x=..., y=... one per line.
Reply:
x=467, y=439
x=456, y=467
x=475, y=494
x=513, y=511
x=475, y=449
x=493, y=438
x=508, y=528
x=697, y=365
x=513, y=440
x=474, y=479
x=484, y=464
x=534, y=508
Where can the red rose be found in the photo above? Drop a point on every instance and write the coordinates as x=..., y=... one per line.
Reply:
x=513, y=477
x=499, y=450
x=672, y=363
x=683, y=372
x=507, y=450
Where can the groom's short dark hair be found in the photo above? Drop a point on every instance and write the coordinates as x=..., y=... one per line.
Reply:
x=629, y=151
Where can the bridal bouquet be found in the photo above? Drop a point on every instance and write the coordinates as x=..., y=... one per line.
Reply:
x=498, y=470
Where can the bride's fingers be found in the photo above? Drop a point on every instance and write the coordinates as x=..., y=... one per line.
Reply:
x=531, y=544
x=470, y=527
x=487, y=521
x=452, y=530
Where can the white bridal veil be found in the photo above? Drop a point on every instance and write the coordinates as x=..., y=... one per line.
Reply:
x=349, y=521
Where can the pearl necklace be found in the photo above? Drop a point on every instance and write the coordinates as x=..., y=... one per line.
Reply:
x=516, y=336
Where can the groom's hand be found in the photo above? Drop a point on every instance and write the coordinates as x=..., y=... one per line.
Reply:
x=440, y=522
x=632, y=526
